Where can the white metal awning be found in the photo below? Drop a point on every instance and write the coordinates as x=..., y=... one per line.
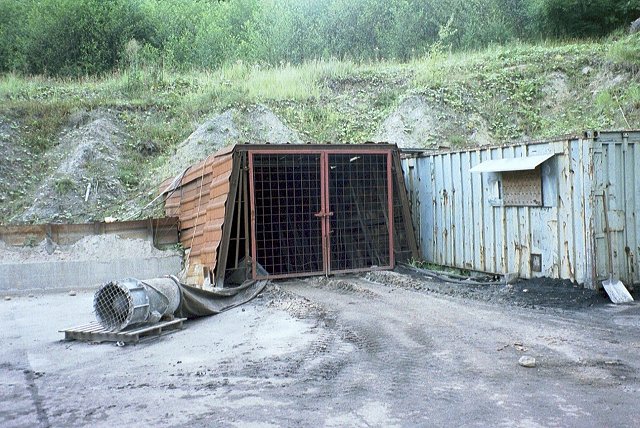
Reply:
x=524, y=163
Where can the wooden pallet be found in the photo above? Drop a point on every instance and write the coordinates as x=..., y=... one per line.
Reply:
x=94, y=332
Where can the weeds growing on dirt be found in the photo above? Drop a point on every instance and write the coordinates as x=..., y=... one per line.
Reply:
x=518, y=91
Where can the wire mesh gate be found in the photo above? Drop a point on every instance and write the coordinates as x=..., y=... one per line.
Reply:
x=320, y=212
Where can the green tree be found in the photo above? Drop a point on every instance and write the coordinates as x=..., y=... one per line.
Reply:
x=13, y=35
x=585, y=18
x=76, y=37
x=73, y=37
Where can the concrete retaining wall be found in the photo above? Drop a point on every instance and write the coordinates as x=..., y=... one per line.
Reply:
x=48, y=276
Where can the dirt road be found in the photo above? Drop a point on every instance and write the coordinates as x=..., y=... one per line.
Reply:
x=339, y=352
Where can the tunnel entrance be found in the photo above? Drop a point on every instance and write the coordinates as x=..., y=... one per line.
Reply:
x=265, y=211
x=321, y=213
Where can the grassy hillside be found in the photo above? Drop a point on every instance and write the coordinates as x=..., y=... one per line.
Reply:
x=489, y=96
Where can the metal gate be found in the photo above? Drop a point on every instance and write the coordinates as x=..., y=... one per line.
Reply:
x=320, y=212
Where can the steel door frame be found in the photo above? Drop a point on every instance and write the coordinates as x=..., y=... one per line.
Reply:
x=324, y=214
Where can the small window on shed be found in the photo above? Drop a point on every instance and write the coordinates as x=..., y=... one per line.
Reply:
x=521, y=178
x=522, y=188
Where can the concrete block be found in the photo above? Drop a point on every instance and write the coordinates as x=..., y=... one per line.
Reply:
x=82, y=274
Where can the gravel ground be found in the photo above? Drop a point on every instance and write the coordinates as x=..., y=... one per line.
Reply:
x=539, y=293
x=384, y=349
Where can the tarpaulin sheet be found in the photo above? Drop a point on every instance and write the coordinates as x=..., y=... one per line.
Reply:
x=197, y=302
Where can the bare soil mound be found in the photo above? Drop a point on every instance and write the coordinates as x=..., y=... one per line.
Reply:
x=341, y=285
x=419, y=123
x=84, y=181
x=256, y=124
x=556, y=93
x=296, y=306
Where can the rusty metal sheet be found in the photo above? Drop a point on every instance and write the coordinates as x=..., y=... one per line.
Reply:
x=199, y=201
x=162, y=231
x=368, y=146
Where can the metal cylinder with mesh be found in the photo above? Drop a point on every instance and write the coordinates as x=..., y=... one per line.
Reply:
x=127, y=302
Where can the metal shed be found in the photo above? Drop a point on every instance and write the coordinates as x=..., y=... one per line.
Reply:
x=534, y=209
x=258, y=211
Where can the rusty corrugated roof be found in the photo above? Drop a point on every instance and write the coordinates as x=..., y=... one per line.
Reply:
x=198, y=200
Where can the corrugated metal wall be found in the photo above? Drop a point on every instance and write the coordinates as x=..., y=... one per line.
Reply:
x=462, y=222
x=616, y=159
x=199, y=202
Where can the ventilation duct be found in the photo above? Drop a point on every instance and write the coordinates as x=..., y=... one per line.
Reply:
x=119, y=304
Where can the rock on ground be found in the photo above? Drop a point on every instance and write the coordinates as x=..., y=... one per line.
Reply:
x=526, y=361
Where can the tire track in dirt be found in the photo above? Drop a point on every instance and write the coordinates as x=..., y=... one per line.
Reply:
x=405, y=350
x=12, y=395
x=386, y=357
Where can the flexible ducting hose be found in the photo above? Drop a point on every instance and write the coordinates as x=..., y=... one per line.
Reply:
x=119, y=304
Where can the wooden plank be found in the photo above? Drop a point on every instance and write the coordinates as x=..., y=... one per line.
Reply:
x=94, y=332
x=152, y=327
x=406, y=210
x=95, y=328
x=238, y=220
x=86, y=327
x=247, y=238
x=228, y=221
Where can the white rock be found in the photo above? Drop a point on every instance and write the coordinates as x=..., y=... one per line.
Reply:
x=526, y=361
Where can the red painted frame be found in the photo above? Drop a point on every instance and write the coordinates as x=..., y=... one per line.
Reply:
x=324, y=214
